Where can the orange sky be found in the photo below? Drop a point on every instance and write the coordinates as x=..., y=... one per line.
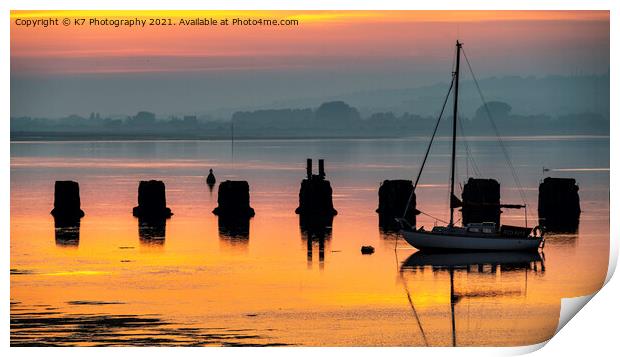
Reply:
x=327, y=54
x=319, y=34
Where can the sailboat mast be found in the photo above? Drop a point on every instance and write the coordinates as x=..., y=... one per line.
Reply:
x=454, y=119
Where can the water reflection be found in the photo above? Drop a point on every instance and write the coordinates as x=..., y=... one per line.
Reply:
x=67, y=232
x=561, y=240
x=56, y=327
x=175, y=280
x=470, y=267
x=152, y=231
x=316, y=231
x=565, y=226
x=474, y=260
x=234, y=232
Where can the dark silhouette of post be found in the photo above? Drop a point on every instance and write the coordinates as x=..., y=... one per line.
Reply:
x=234, y=211
x=152, y=212
x=558, y=205
x=233, y=199
x=67, y=213
x=481, y=201
x=67, y=201
x=393, y=199
x=308, y=169
x=315, y=194
x=321, y=168
x=152, y=201
x=316, y=211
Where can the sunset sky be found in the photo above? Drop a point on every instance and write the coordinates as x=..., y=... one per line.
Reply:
x=60, y=70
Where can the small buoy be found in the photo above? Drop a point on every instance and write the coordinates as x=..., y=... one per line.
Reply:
x=211, y=178
x=368, y=249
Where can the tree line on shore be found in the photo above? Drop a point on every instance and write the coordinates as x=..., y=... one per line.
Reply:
x=330, y=119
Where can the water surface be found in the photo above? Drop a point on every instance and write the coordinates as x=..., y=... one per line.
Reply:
x=205, y=285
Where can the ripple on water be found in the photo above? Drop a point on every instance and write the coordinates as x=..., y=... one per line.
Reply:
x=31, y=326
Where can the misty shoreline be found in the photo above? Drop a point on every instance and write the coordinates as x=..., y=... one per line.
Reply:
x=80, y=137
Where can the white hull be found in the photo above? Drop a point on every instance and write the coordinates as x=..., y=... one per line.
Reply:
x=438, y=241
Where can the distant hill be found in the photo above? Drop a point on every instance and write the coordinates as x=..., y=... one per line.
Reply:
x=552, y=95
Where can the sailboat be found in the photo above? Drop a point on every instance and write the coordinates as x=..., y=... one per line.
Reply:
x=483, y=236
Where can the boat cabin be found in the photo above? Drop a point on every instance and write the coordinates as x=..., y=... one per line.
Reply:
x=484, y=227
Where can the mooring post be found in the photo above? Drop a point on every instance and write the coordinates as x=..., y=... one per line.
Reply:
x=393, y=198
x=316, y=211
x=152, y=201
x=481, y=201
x=67, y=201
x=67, y=213
x=321, y=168
x=309, y=168
x=558, y=204
x=315, y=195
x=233, y=200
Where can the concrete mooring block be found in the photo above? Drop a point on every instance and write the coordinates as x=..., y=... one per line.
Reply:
x=67, y=201
x=233, y=199
x=152, y=201
x=315, y=193
x=393, y=198
x=558, y=204
x=481, y=201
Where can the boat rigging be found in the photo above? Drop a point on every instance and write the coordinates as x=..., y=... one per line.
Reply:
x=474, y=236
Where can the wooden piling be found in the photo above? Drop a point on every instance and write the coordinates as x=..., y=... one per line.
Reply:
x=558, y=204
x=308, y=168
x=67, y=201
x=393, y=198
x=152, y=200
x=481, y=201
x=233, y=199
x=315, y=193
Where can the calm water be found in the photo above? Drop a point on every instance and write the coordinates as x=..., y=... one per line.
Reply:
x=201, y=286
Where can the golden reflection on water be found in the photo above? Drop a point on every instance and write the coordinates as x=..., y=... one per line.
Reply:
x=274, y=281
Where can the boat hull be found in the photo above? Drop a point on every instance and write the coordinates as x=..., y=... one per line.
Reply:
x=430, y=241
